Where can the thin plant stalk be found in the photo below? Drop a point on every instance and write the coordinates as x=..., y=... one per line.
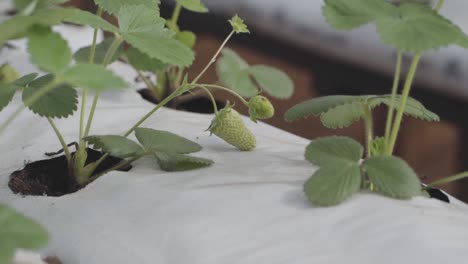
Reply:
x=213, y=101
x=227, y=90
x=455, y=177
x=65, y=148
x=391, y=108
x=368, y=122
x=176, y=14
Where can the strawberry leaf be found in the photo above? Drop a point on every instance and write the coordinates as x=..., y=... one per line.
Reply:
x=163, y=141
x=141, y=61
x=317, y=106
x=180, y=162
x=7, y=91
x=273, y=81
x=93, y=77
x=117, y=146
x=83, y=54
x=193, y=5
x=114, y=6
x=323, y=151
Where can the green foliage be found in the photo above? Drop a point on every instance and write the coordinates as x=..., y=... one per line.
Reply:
x=144, y=30
x=193, y=5
x=141, y=61
x=341, y=111
x=331, y=149
x=114, y=6
x=59, y=102
x=238, y=25
x=179, y=162
x=83, y=54
x=341, y=174
x=260, y=108
x=392, y=177
x=7, y=91
x=93, y=77
x=25, y=80
x=117, y=146
x=377, y=146
x=187, y=37
x=228, y=125
x=8, y=73
x=55, y=59
x=18, y=231
x=333, y=184
x=163, y=141
x=32, y=5
x=413, y=27
x=242, y=78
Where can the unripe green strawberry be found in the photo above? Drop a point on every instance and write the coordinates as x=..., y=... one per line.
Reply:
x=229, y=126
x=260, y=108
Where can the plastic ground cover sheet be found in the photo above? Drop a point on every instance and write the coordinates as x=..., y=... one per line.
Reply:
x=248, y=208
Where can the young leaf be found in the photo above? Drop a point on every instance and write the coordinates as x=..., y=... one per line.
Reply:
x=163, y=141
x=117, y=146
x=83, y=54
x=417, y=28
x=193, y=5
x=238, y=25
x=349, y=14
x=413, y=107
x=273, y=81
x=233, y=71
x=41, y=41
x=7, y=91
x=180, y=162
x=93, y=77
x=144, y=30
x=143, y=62
x=343, y=115
x=317, y=106
x=334, y=183
x=392, y=177
x=114, y=6
x=18, y=231
x=26, y=79
x=59, y=102
x=323, y=151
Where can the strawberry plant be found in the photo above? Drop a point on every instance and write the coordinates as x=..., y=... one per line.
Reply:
x=18, y=232
x=152, y=44
x=411, y=27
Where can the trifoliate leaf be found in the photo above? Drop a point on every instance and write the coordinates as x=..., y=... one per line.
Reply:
x=349, y=14
x=17, y=26
x=83, y=54
x=233, y=72
x=392, y=177
x=343, y=115
x=187, y=37
x=193, y=5
x=41, y=41
x=8, y=73
x=317, y=106
x=413, y=107
x=25, y=80
x=141, y=61
x=323, y=151
x=144, y=30
x=7, y=91
x=238, y=25
x=163, y=141
x=117, y=146
x=417, y=28
x=93, y=77
x=273, y=81
x=114, y=6
x=334, y=183
x=59, y=102
x=180, y=162
x=18, y=231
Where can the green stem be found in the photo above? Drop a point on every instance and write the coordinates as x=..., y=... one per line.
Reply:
x=110, y=53
x=391, y=108
x=65, y=148
x=176, y=14
x=227, y=90
x=213, y=59
x=147, y=82
x=402, y=106
x=455, y=177
x=34, y=97
x=215, y=107
x=369, y=129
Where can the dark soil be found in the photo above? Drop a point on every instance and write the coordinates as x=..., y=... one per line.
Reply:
x=51, y=177
x=200, y=105
x=52, y=260
x=438, y=194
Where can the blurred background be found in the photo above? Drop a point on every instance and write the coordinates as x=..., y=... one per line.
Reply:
x=293, y=36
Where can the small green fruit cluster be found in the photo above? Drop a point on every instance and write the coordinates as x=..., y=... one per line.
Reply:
x=260, y=108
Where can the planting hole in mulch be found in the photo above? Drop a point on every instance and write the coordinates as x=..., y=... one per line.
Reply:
x=438, y=194
x=201, y=105
x=51, y=177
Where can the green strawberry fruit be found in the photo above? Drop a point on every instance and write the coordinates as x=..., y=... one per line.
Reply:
x=229, y=126
x=260, y=108
x=8, y=73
